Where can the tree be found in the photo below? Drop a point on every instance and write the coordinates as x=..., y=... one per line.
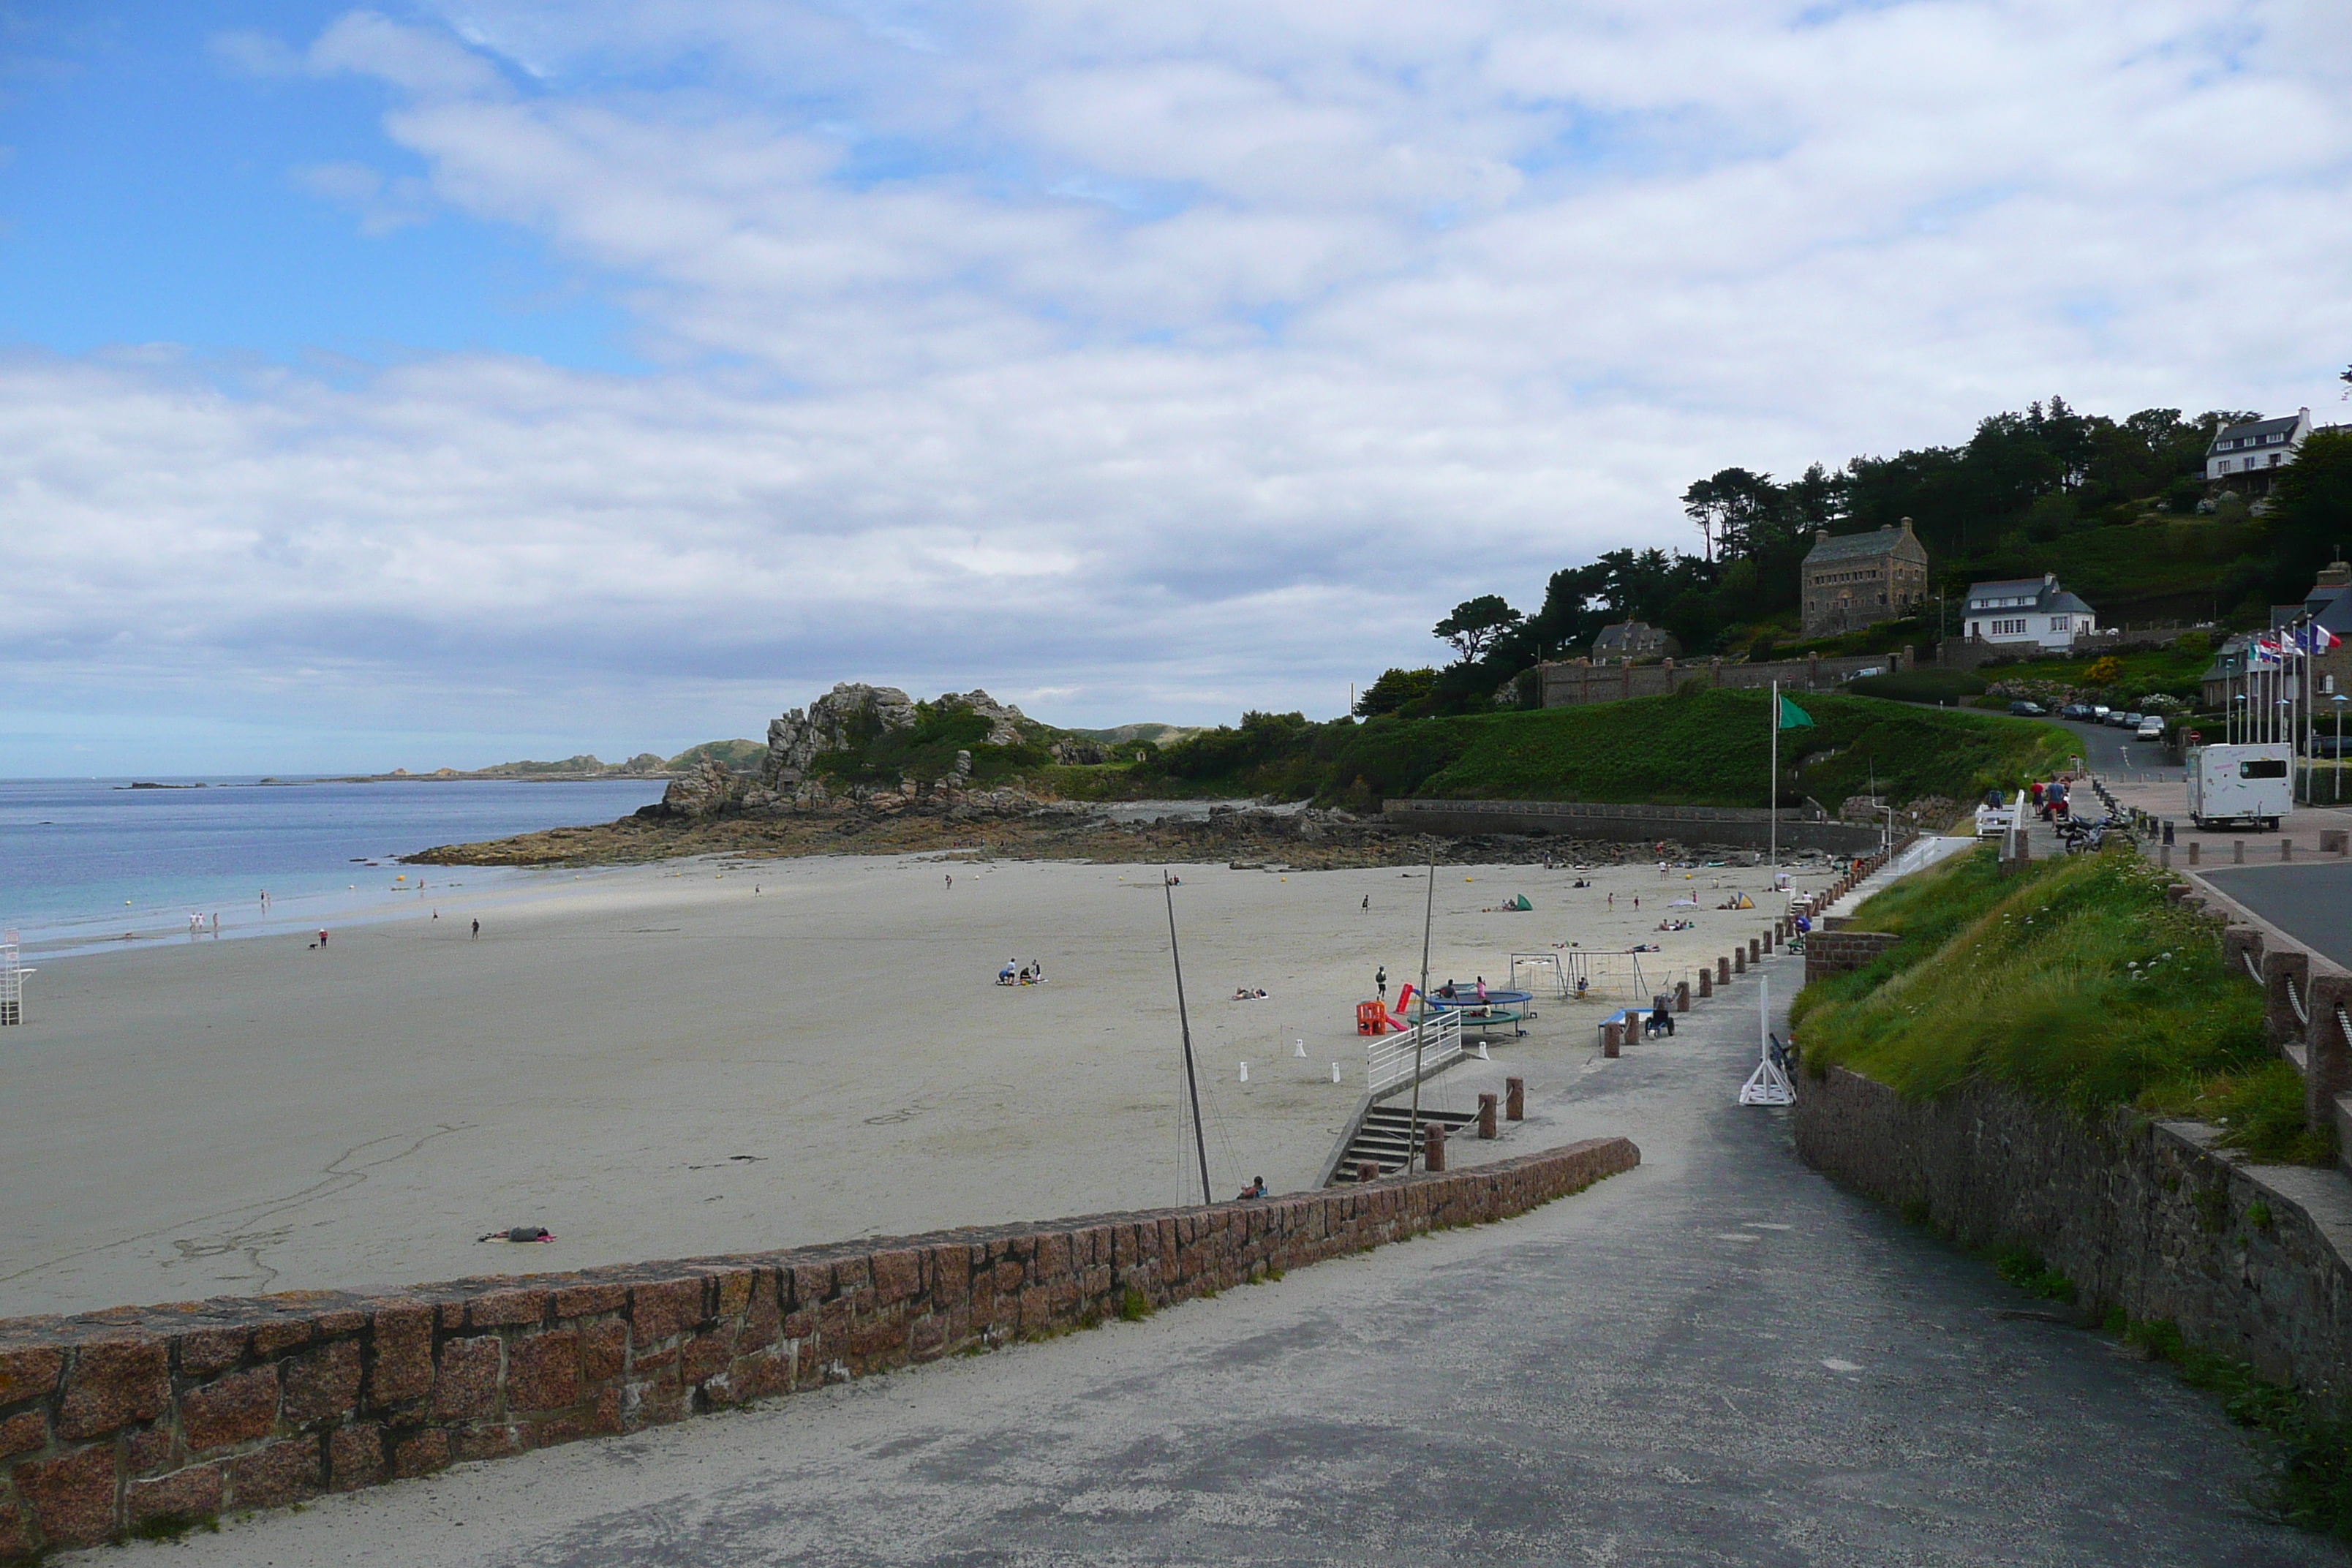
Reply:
x=1474, y=624
x=1396, y=691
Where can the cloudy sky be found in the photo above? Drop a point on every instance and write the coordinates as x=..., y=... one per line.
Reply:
x=442, y=382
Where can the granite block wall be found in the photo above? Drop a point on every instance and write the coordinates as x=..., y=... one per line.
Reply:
x=112, y=1420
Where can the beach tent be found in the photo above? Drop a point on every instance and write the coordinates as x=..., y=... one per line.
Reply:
x=1518, y=903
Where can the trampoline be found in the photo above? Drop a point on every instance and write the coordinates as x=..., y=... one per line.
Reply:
x=1492, y=998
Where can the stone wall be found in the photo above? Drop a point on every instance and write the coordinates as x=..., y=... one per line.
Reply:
x=1573, y=685
x=1632, y=823
x=2139, y=1215
x=1842, y=951
x=109, y=1420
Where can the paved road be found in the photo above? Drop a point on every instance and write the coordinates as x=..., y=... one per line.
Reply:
x=2114, y=753
x=2311, y=900
x=1719, y=1358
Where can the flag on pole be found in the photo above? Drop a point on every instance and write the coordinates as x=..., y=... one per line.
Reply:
x=1793, y=717
x=2322, y=639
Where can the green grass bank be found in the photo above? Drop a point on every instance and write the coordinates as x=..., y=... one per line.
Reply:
x=1694, y=748
x=2074, y=983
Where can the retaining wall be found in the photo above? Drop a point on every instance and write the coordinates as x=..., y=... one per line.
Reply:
x=2248, y=1260
x=1572, y=684
x=1750, y=829
x=1841, y=952
x=109, y=1420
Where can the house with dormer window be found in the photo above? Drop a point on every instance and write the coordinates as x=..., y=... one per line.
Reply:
x=2242, y=458
x=2031, y=612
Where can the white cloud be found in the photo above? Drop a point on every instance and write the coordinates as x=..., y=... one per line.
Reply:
x=1169, y=359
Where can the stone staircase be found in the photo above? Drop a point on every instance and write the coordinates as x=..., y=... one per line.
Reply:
x=1383, y=1137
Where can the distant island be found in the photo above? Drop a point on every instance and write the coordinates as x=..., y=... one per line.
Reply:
x=728, y=756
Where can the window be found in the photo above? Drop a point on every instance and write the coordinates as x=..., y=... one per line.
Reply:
x=2274, y=458
x=2009, y=628
x=2263, y=768
x=2060, y=623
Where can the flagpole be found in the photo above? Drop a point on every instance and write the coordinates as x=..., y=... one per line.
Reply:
x=1773, y=828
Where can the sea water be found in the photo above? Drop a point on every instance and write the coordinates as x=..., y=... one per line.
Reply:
x=92, y=864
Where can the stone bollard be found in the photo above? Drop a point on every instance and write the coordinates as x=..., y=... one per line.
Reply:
x=2238, y=852
x=2194, y=845
x=1515, y=1100
x=2286, y=974
x=2164, y=856
x=1739, y=961
x=1610, y=1039
x=1723, y=972
x=1486, y=1116
x=1682, y=995
x=1367, y=1171
x=1432, y=1147
x=2327, y=1068
x=1705, y=984
x=2334, y=841
x=2287, y=848
x=1755, y=949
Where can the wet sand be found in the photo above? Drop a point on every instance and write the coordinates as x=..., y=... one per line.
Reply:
x=660, y=1062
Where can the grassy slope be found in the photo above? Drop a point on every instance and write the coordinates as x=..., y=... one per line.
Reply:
x=1697, y=748
x=2075, y=982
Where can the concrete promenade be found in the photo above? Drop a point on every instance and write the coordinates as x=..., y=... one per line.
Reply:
x=1716, y=1357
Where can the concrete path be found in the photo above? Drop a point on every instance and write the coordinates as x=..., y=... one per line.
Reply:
x=1717, y=1358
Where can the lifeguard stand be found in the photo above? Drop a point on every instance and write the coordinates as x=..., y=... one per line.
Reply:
x=12, y=981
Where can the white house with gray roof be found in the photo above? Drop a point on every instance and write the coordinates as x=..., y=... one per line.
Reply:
x=2031, y=612
x=2243, y=456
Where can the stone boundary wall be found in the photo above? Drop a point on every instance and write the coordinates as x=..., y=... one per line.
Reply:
x=1974, y=653
x=2139, y=1215
x=110, y=1420
x=1572, y=684
x=1731, y=826
x=1843, y=951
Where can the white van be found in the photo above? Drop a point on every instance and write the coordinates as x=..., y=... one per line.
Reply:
x=2251, y=785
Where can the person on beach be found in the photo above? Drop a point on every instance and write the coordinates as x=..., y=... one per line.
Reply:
x=1368, y=901
x=950, y=881
x=477, y=935
x=322, y=936
x=1380, y=983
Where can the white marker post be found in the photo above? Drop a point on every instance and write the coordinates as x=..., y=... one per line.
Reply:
x=1767, y=1084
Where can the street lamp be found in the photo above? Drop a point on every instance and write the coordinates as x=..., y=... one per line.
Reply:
x=2237, y=716
x=2339, y=700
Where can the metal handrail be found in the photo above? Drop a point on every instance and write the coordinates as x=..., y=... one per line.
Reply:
x=1388, y=1061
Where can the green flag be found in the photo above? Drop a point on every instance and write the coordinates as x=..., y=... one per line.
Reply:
x=1793, y=717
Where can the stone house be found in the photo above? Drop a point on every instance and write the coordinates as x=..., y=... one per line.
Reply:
x=1855, y=580
x=1628, y=641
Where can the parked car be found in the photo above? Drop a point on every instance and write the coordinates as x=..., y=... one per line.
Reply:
x=2024, y=710
x=2099, y=711
x=2077, y=711
x=2150, y=728
x=2121, y=720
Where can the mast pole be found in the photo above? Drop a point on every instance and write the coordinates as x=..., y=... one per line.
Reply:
x=1773, y=828
x=1184, y=1023
x=1421, y=1030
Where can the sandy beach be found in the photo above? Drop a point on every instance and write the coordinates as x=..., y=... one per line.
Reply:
x=703, y=1057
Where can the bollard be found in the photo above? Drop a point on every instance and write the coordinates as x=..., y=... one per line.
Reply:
x=1682, y=995
x=1245, y=1073
x=1335, y=1073
x=1366, y=1171
x=2334, y=841
x=1739, y=961
x=1755, y=949
x=1723, y=972
x=2287, y=848
x=2168, y=832
x=1611, y=1038
x=2194, y=845
x=1705, y=983
x=2238, y=851
x=2164, y=856
x=1515, y=1099
x=1433, y=1148
x=1486, y=1116
x=1771, y=936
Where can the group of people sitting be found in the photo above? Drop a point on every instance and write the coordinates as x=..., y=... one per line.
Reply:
x=1257, y=1189
x=1678, y=925
x=1450, y=992
x=1025, y=975
x=1249, y=993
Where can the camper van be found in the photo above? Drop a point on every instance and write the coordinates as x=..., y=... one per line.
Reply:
x=2231, y=786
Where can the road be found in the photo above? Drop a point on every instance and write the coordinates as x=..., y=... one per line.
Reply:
x=2311, y=900
x=2114, y=753
x=1717, y=1358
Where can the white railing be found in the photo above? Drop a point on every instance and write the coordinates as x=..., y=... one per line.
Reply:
x=1388, y=1061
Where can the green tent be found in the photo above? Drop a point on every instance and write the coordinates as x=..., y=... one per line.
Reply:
x=1517, y=903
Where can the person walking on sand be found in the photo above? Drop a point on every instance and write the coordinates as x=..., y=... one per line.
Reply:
x=322, y=936
x=1368, y=901
x=1380, y=983
x=477, y=931
x=951, y=881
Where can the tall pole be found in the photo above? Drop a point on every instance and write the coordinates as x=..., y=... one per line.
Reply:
x=1421, y=1030
x=1184, y=1023
x=1772, y=816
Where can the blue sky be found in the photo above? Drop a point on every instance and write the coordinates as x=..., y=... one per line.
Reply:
x=436, y=382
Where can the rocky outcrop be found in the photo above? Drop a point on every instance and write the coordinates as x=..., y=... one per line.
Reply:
x=705, y=792
x=854, y=713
